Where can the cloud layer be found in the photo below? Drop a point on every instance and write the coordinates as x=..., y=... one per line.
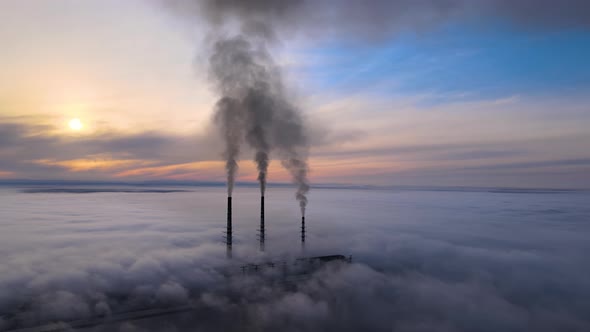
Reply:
x=423, y=261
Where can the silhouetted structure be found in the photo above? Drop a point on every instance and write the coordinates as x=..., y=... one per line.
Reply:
x=228, y=235
x=261, y=223
x=301, y=266
x=303, y=232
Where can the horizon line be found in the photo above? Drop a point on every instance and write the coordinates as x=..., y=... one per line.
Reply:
x=202, y=183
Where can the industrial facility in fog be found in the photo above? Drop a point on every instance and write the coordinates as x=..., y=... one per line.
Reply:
x=229, y=228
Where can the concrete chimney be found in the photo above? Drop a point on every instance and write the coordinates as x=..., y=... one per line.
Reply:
x=262, y=223
x=228, y=240
x=303, y=232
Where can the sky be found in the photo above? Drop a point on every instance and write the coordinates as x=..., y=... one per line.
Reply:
x=484, y=93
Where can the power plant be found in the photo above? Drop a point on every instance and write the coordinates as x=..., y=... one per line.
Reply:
x=262, y=229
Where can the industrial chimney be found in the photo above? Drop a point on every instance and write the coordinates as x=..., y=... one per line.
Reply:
x=303, y=232
x=228, y=239
x=262, y=223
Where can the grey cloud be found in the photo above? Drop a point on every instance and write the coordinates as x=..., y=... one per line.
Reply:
x=376, y=19
x=534, y=164
x=449, y=151
x=561, y=174
x=485, y=154
x=21, y=144
x=548, y=13
x=324, y=136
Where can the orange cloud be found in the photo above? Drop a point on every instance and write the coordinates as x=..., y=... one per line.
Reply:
x=5, y=174
x=173, y=171
x=205, y=170
x=320, y=168
x=91, y=164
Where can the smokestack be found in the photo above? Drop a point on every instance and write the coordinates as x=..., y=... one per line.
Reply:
x=303, y=232
x=261, y=223
x=229, y=230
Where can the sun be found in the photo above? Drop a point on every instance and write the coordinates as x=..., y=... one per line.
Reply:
x=76, y=124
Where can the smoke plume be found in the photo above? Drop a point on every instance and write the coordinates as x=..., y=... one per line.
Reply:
x=228, y=118
x=253, y=106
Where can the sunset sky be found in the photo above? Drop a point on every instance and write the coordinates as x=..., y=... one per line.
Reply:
x=118, y=90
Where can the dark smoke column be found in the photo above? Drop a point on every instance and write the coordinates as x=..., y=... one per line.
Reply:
x=228, y=118
x=228, y=115
x=253, y=104
x=259, y=108
x=297, y=166
x=253, y=107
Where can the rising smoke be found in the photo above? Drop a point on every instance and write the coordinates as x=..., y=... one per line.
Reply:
x=253, y=107
x=228, y=118
x=242, y=108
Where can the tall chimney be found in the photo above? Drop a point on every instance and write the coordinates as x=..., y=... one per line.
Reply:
x=303, y=232
x=261, y=223
x=229, y=230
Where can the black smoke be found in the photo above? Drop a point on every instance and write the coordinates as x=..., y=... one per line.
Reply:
x=253, y=106
x=229, y=119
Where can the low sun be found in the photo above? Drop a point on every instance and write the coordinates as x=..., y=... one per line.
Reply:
x=75, y=124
